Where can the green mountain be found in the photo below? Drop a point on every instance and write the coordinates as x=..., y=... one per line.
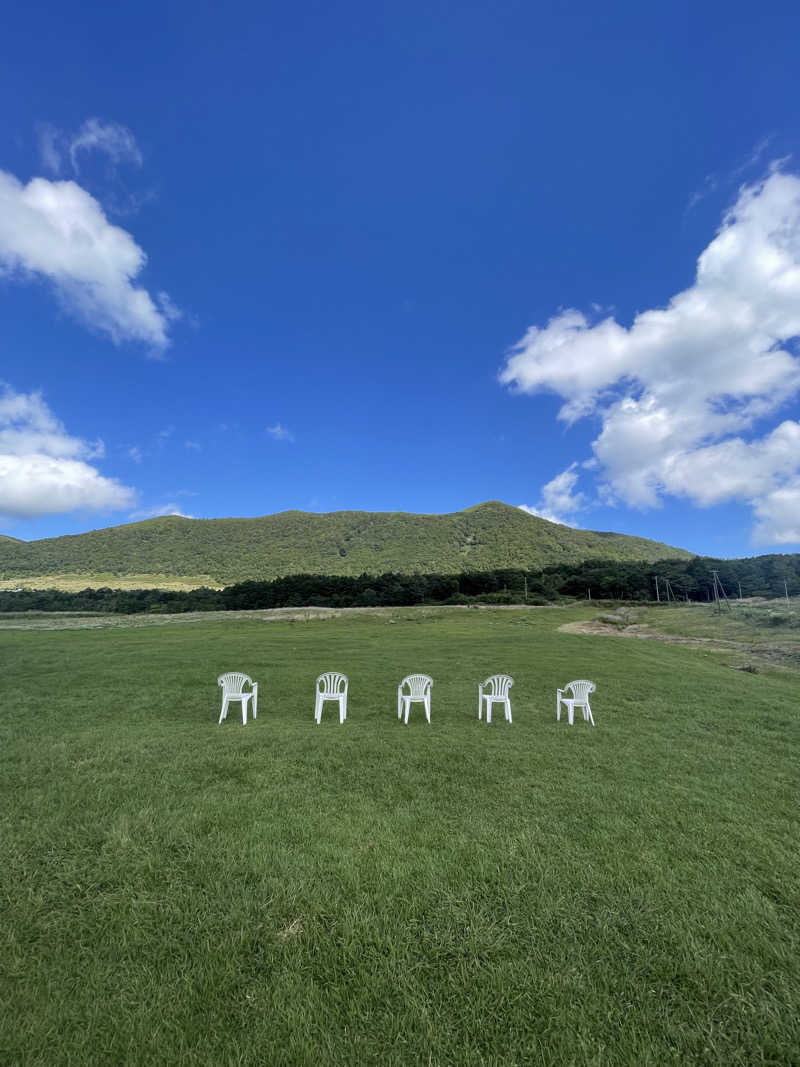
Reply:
x=485, y=537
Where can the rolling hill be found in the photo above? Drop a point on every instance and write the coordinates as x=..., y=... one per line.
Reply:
x=484, y=537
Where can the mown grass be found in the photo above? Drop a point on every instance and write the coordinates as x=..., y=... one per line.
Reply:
x=178, y=892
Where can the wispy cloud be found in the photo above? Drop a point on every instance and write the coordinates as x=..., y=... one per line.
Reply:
x=159, y=512
x=280, y=433
x=60, y=150
x=682, y=390
x=51, y=148
x=111, y=138
x=713, y=182
x=43, y=469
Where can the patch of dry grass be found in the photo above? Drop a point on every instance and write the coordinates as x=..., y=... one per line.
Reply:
x=75, y=583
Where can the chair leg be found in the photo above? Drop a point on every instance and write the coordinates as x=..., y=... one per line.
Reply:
x=342, y=711
x=408, y=709
x=589, y=714
x=224, y=711
x=428, y=710
x=570, y=712
x=508, y=710
x=489, y=711
x=480, y=705
x=245, y=701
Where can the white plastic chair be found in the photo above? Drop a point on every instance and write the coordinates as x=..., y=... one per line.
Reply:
x=232, y=686
x=580, y=699
x=419, y=689
x=331, y=686
x=496, y=692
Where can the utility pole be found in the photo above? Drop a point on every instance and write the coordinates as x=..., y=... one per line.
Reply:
x=740, y=589
x=719, y=588
x=526, y=589
x=589, y=591
x=786, y=592
x=658, y=595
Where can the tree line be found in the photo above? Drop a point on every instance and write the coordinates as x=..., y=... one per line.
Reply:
x=691, y=580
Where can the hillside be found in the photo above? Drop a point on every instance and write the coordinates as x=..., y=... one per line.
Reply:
x=485, y=537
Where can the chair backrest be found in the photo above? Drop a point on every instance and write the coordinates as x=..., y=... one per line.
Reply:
x=233, y=682
x=331, y=683
x=580, y=689
x=418, y=684
x=498, y=684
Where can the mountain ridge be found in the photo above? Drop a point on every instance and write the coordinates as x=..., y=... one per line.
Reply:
x=482, y=537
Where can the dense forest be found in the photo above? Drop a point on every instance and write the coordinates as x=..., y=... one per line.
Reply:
x=690, y=579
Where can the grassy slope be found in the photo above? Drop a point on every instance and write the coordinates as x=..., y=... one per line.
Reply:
x=174, y=891
x=348, y=542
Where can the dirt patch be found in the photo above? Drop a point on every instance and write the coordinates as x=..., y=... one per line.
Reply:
x=645, y=633
x=776, y=655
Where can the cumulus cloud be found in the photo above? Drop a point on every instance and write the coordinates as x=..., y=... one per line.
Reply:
x=559, y=502
x=58, y=232
x=44, y=470
x=778, y=514
x=681, y=391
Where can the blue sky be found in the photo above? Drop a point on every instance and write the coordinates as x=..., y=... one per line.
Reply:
x=258, y=257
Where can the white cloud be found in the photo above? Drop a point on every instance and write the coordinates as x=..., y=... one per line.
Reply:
x=57, y=231
x=280, y=433
x=43, y=470
x=677, y=390
x=778, y=514
x=157, y=513
x=50, y=147
x=95, y=135
x=558, y=501
x=114, y=140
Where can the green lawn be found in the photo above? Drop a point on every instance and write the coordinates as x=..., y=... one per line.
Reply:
x=174, y=892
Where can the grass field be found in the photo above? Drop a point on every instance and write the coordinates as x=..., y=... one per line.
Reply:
x=76, y=583
x=174, y=892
